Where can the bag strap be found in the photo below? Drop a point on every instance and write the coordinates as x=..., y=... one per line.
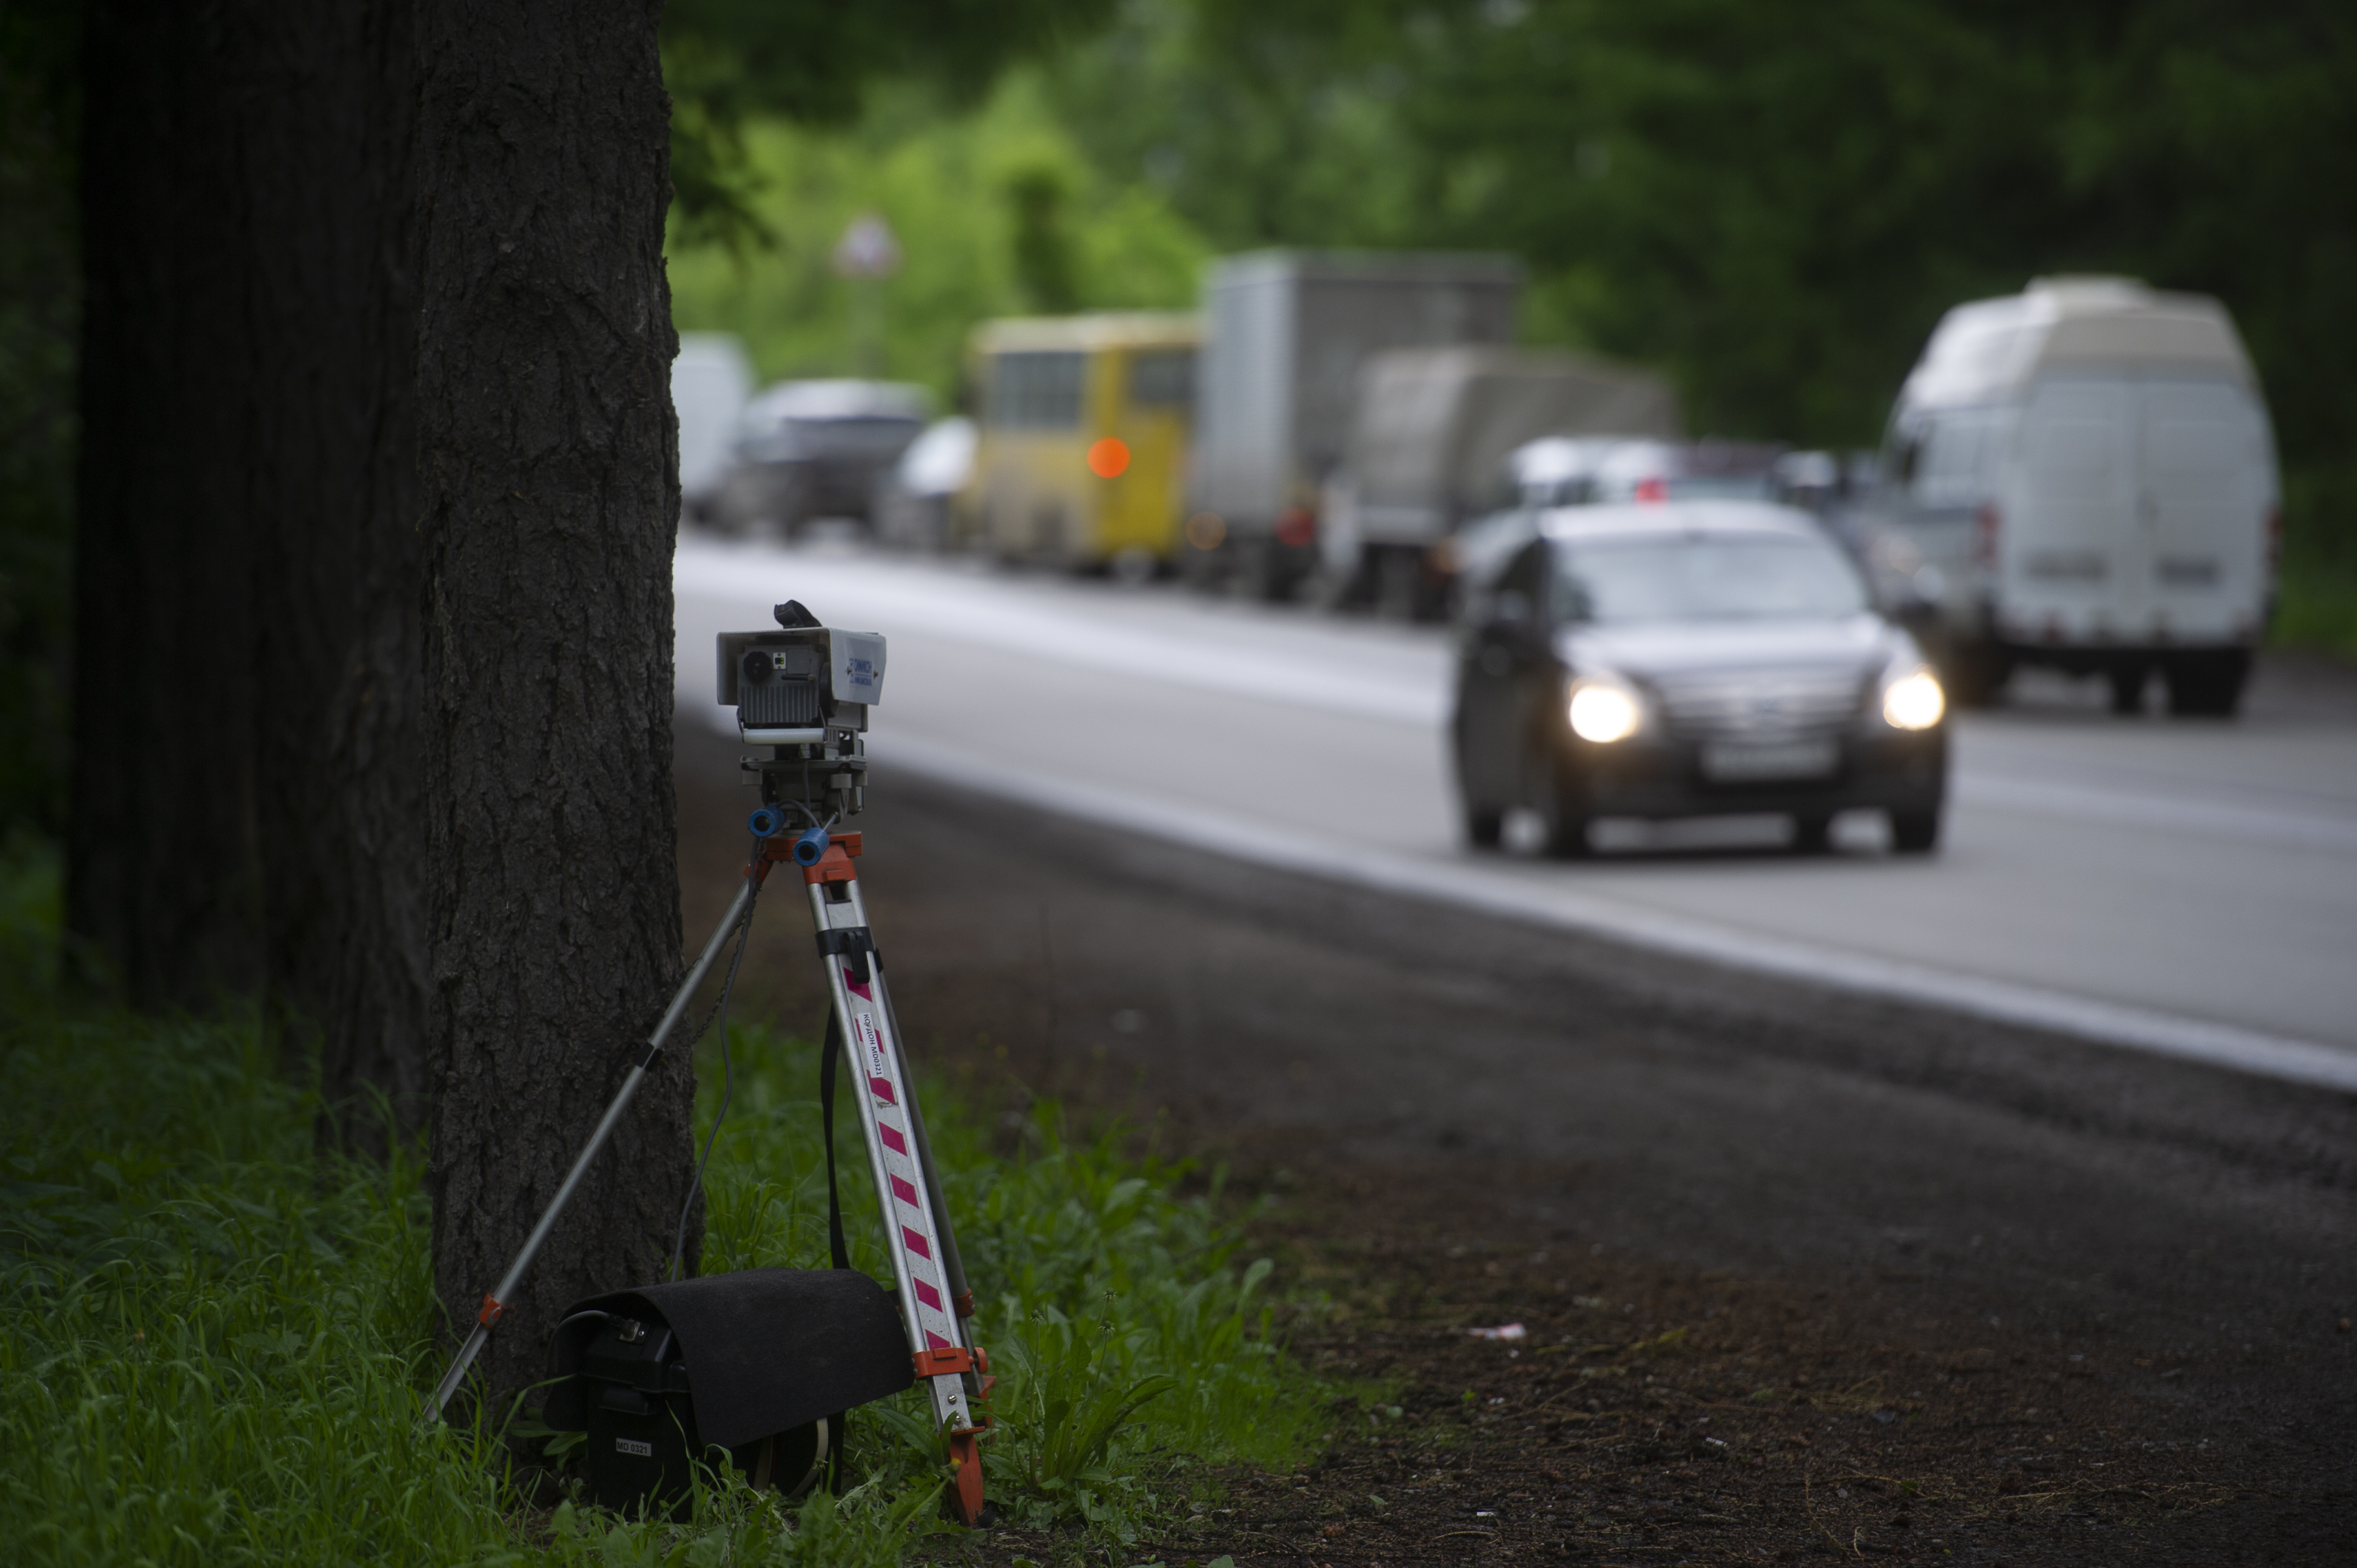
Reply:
x=826, y=1055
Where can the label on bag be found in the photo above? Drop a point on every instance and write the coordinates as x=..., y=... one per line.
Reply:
x=633, y=1446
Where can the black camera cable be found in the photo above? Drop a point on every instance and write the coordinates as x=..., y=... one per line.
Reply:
x=727, y=1065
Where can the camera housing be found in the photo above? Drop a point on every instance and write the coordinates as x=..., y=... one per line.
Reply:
x=802, y=694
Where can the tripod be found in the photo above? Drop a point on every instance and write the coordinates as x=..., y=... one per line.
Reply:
x=933, y=1297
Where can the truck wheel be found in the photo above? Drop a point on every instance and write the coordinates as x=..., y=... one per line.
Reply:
x=2127, y=689
x=1396, y=586
x=1915, y=832
x=1260, y=574
x=1203, y=571
x=2207, y=686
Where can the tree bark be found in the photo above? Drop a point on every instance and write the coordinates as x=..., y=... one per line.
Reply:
x=549, y=501
x=163, y=877
x=247, y=810
x=332, y=300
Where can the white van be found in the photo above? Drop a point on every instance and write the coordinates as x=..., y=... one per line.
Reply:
x=710, y=382
x=2082, y=476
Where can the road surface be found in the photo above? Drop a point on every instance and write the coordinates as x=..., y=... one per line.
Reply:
x=2183, y=887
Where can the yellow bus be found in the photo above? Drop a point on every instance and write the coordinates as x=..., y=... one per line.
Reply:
x=1084, y=425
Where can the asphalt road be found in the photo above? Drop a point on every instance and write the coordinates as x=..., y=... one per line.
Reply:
x=2131, y=1272
x=2186, y=888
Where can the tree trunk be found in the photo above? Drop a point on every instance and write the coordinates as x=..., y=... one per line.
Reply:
x=163, y=878
x=339, y=781
x=247, y=808
x=549, y=501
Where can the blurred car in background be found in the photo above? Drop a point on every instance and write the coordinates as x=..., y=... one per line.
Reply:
x=2082, y=476
x=813, y=449
x=1687, y=658
x=913, y=497
x=1085, y=422
x=1586, y=471
x=1687, y=471
x=1428, y=447
x=710, y=380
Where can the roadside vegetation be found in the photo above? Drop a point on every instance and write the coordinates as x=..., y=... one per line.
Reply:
x=214, y=1339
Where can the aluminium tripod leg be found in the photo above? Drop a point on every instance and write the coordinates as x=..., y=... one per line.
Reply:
x=915, y=1238
x=953, y=1260
x=500, y=1298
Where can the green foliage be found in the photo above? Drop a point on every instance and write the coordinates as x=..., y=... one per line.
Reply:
x=2318, y=604
x=210, y=1343
x=1775, y=200
x=39, y=321
x=1072, y=1398
x=214, y=1341
x=1045, y=267
x=1129, y=1343
x=948, y=184
x=813, y=62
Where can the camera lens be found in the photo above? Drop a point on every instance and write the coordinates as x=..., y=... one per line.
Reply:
x=758, y=667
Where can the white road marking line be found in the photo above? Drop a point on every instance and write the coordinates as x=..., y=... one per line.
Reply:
x=1525, y=898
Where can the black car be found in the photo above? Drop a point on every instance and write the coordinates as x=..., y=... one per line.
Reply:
x=1685, y=659
x=813, y=449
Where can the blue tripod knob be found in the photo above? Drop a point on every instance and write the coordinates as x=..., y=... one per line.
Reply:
x=810, y=846
x=767, y=822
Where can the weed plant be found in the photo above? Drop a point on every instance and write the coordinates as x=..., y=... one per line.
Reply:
x=214, y=1340
x=1131, y=1344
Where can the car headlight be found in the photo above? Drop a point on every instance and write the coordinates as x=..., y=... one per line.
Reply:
x=1603, y=712
x=1914, y=700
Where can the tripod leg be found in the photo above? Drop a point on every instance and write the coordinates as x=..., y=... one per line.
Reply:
x=953, y=1260
x=498, y=1300
x=904, y=1185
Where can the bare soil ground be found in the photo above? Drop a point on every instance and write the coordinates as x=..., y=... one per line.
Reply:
x=1800, y=1274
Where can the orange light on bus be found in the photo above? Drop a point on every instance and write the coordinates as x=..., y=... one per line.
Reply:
x=1109, y=458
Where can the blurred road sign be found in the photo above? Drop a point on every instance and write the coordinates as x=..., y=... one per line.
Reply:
x=867, y=249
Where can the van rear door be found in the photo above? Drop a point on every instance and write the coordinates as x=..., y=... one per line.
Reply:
x=2208, y=484
x=2073, y=559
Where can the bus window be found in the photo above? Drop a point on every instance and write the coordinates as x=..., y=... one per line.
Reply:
x=1163, y=377
x=1033, y=390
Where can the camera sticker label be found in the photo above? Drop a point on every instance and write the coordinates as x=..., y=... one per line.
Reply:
x=633, y=1446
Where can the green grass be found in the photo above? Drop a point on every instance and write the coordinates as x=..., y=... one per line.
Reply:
x=213, y=1341
x=2318, y=608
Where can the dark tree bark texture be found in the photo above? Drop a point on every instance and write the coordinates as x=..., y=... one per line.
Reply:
x=332, y=303
x=247, y=809
x=549, y=497
x=163, y=879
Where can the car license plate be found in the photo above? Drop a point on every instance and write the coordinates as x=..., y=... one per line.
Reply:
x=1740, y=762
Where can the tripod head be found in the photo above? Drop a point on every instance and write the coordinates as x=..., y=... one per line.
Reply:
x=801, y=695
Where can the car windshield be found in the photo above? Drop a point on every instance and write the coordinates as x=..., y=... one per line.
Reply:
x=1705, y=576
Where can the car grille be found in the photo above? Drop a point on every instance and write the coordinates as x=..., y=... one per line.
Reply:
x=1760, y=701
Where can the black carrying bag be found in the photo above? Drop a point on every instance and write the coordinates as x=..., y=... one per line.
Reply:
x=752, y=1369
x=755, y=1369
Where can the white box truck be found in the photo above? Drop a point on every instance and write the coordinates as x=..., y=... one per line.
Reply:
x=1286, y=333
x=2083, y=477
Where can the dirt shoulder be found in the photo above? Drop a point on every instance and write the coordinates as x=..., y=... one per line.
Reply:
x=1798, y=1273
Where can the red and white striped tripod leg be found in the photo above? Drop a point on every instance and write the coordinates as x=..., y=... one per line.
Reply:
x=913, y=1239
